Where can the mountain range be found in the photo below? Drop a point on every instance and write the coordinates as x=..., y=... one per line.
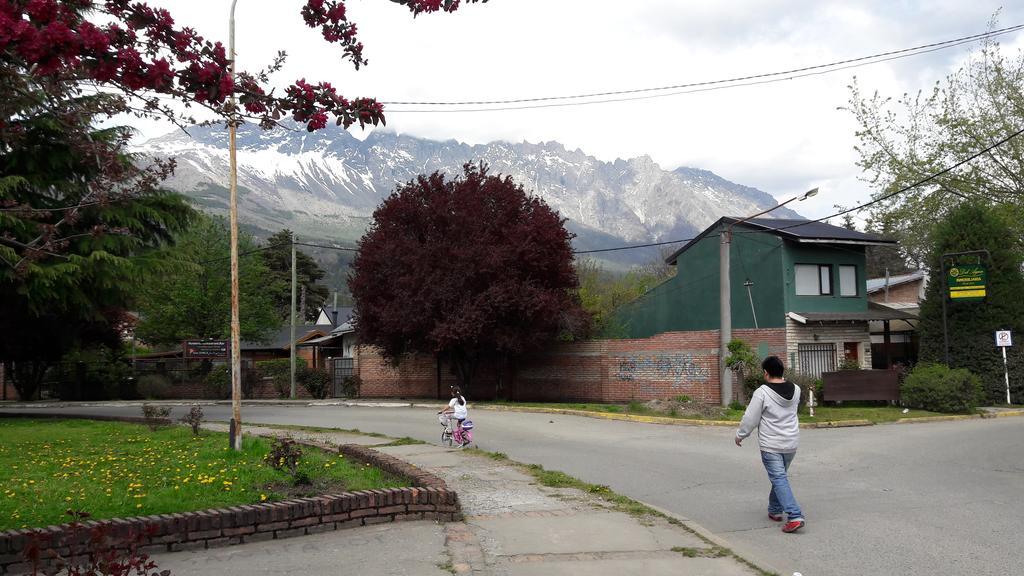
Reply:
x=325, y=185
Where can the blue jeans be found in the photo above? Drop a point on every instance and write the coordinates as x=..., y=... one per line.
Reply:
x=781, y=498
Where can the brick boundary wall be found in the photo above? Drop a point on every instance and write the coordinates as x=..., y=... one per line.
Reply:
x=662, y=366
x=429, y=499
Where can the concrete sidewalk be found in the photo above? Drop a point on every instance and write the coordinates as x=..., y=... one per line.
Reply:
x=513, y=527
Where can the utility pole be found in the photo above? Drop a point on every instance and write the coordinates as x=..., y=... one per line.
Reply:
x=292, y=340
x=236, y=338
x=725, y=292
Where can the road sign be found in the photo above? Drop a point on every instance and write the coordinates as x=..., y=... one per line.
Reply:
x=966, y=282
x=1004, y=338
x=206, y=349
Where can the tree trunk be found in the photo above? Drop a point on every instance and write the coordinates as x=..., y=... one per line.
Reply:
x=27, y=377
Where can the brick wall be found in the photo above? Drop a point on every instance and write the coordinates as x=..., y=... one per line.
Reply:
x=666, y=365
x=7, y=391
x=908, y=293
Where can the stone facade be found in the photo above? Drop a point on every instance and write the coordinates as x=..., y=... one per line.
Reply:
x=847, y=336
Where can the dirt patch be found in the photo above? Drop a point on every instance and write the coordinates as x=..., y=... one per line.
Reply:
x=684, y=408
x=320, y=487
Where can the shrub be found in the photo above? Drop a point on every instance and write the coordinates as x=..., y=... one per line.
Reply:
x=849, y=364
x=317, y=382
x=806, y=382
x=351, y=385
x=194, y=418
x=97, y=373
x=154, y=386
x=279, y=371
x=285, y=454
x=938, y=388
x=217, y=384
x=156, y=416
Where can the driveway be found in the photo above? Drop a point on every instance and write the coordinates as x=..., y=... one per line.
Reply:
x=916, y=499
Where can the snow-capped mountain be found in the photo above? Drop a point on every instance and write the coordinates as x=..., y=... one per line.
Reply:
x=325, y=184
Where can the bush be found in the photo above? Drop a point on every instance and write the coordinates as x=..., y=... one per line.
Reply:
x=155, y=386
x=939, y=388
x=98, y=373
x=217, y=383
x=316, y=381
x=806, y=382
x=156, y=416
x=285, y=454
x=351, y=385
x=279, y=371
x=849, y=364
x=194, y=418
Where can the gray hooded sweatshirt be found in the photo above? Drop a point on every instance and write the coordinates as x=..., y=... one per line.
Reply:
x=775, y=418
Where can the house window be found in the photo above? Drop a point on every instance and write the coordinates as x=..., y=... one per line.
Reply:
x=848, y=281
x=813, y=279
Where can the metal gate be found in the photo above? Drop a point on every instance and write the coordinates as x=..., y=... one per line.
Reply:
x=341, y=368
x=817, y=358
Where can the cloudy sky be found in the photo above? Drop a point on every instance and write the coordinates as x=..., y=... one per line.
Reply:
x=783, y=137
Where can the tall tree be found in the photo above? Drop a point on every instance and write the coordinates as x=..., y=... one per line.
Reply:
x=192, y=300
x=972, y=325
x=601, y=291
x=471, y=268
x=278, y=259
x=903, y=140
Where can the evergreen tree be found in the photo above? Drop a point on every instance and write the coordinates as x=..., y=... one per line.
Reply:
x=972, y=325
x=194, y=299
x=278, y=259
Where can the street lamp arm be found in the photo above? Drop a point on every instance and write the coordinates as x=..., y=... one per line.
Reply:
x=802, y=197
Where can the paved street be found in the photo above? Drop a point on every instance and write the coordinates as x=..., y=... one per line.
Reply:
x=918, y=499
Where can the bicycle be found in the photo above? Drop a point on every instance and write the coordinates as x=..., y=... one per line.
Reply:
x=448, y=432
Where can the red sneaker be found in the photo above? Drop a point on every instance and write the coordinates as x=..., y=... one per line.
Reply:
x=793, y=526
x=775, y=517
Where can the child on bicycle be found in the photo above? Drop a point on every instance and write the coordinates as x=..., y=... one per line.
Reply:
x=457, y=410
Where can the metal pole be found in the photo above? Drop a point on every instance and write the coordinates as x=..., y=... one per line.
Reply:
x=725, y=316
x=1006, y=373
x=748, y=283
x=945, y=322
x=292, y=340
x=236, y=339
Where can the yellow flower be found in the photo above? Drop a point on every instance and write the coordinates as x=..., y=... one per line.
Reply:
x=263, y=497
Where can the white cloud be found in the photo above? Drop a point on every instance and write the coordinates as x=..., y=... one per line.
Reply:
x=783, y=138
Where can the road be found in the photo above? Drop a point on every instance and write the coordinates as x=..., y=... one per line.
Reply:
x=918, y=499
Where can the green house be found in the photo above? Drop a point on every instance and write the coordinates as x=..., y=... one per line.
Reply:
x=801, y=280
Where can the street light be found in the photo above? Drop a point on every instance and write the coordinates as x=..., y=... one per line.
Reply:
x=724, y=297
x=236, y=339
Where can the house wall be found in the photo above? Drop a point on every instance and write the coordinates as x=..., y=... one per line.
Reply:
x=838, y=333
x=666, y=365
x=908, y=293
x=689, y=300
x=852, y=255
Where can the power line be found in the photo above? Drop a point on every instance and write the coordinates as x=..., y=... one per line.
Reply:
x=631, y=247
x=920, y=182
x=342, y=248
x=710, y=84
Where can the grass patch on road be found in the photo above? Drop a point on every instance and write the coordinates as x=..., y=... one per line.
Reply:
x=111, y=469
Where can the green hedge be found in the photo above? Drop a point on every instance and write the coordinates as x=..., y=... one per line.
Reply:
x=939, y=388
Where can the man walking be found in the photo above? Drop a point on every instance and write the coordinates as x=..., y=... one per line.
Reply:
x=772, y=410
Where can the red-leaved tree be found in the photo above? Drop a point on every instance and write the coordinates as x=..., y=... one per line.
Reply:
x=471, y=268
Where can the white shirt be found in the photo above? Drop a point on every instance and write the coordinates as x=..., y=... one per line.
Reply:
x=460, y=409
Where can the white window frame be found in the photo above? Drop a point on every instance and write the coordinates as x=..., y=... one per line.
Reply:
x=844, y=285
x=822, y=279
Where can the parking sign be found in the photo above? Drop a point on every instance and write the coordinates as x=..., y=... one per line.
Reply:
x=1004, y=338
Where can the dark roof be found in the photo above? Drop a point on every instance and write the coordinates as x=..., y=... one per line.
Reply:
x=795, y=230
x=874, y=312
x=280, y=340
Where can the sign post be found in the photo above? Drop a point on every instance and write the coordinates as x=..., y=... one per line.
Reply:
x=1004, y=339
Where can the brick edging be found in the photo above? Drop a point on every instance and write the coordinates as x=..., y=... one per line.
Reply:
x=428, y=499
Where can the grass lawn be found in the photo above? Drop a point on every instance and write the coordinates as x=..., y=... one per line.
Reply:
x=112, y=469
x=876, y=414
